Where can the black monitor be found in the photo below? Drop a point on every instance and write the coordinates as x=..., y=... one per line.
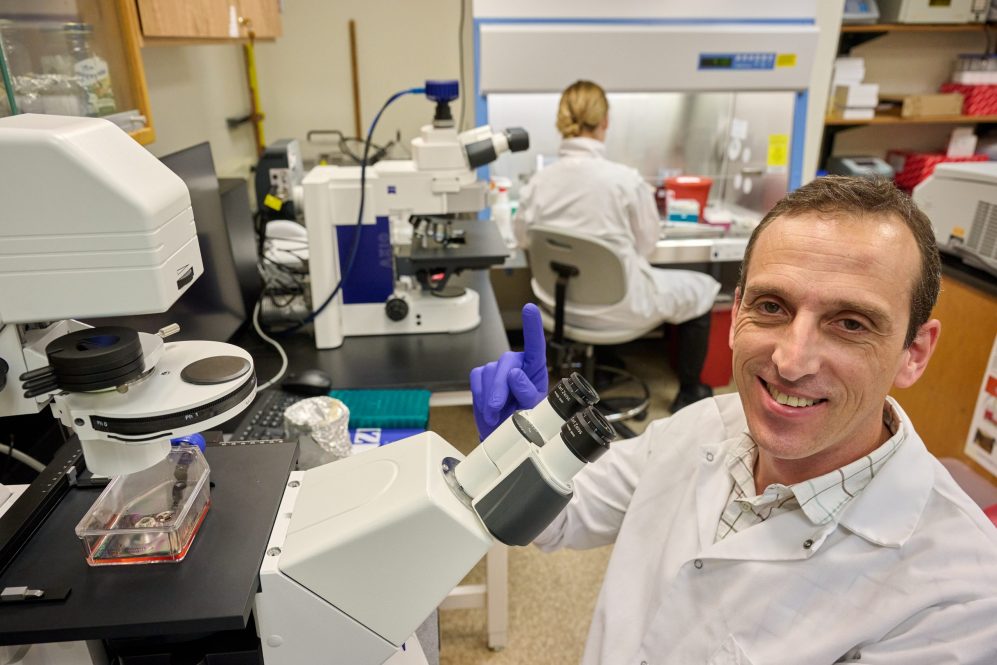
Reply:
x=221, y=299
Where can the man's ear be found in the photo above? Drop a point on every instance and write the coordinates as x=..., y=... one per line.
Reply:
x=733, y=316
x=917, y=355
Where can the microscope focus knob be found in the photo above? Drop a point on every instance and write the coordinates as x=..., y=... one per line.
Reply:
x=396, y=309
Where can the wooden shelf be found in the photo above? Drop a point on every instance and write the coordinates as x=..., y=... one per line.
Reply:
x=915, y=27
x=897, y=120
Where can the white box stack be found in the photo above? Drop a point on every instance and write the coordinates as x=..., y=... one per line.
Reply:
x=851, y=99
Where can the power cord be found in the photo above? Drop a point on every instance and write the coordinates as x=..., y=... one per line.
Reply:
x=280, y=350
x=24, y=458
x=380, y=151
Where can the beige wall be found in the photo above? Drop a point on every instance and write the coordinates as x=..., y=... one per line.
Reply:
x=192, y=89
x=305, y=80
x=304, y=77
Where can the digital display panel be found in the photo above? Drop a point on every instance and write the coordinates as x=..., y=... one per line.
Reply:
x=737, y=61
x=716, y=61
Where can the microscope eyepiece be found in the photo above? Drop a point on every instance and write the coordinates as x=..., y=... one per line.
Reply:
x=519, y=139
x=587, y=434
x=571, y=394
x=486, y=150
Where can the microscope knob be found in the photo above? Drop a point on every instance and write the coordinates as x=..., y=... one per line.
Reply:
x=396, y=309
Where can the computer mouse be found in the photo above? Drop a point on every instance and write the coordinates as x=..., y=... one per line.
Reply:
x=308, y=382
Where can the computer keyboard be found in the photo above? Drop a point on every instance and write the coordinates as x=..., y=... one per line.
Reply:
x=265, y=417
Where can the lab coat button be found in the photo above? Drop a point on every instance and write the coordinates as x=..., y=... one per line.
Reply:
x=709, y=457
x=808, y=543
x=698, y=563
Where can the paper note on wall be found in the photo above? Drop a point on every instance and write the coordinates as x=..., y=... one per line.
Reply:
x=778, y=154
x=983, y=429
x=738, y=128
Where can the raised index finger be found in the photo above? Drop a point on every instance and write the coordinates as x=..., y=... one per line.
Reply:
x=534, y=344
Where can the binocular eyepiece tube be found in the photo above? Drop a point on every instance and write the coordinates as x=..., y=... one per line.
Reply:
x=583, y=438
x=531, y=481
x=500, y=450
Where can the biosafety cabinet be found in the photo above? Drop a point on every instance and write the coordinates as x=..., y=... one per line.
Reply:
x=717, y=89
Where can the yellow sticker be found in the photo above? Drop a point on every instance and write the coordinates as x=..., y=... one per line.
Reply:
x=785, y=60
x=778, y=154
x=272, y=201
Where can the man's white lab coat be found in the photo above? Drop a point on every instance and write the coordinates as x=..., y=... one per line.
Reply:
x=587, y=193
x=907, y=575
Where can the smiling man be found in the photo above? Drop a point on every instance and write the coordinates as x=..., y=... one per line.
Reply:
x=801, y=520
x=825, y=322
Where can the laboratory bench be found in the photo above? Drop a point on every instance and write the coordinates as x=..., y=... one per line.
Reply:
x=148, y=613
x=712, y=253
x=439, y=362
x=669, y=250
x=210, y=592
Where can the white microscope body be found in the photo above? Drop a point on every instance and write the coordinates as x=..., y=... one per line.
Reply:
x=365, y=548
x=439, y=180
x=95, y=226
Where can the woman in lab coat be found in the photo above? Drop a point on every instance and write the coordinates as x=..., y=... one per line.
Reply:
x=586, y=192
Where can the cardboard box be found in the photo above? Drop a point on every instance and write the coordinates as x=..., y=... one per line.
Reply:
x=920, y=106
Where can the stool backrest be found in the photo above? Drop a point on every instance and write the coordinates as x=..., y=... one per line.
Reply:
x=601, y=276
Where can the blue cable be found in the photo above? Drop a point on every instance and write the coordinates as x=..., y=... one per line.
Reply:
x=359, y=224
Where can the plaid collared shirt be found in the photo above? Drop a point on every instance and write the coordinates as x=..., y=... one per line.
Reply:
x=821, y=498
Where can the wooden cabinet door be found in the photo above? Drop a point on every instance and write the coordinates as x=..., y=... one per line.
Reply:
x=189, y=19
x=264, y=17
x=941, y=403
x=209, y=19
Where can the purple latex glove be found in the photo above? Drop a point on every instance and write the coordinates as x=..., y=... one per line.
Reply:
x=516, y=381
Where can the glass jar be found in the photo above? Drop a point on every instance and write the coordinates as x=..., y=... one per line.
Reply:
x=89, y=69
x=15, y=59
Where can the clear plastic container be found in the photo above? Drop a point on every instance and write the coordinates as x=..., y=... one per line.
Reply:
x=975, y=69
x=56, y=67
x=150, y=516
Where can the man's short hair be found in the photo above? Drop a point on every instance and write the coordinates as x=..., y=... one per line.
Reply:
x=858, y=197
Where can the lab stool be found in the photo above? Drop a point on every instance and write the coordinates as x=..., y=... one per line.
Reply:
x=575, y=352
x=583, y=270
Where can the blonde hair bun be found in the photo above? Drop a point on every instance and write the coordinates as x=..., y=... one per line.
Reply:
x=583, y=107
